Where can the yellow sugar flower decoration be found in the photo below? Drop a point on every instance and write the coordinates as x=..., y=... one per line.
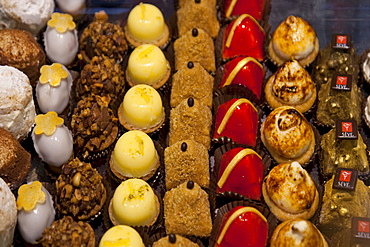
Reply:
x=29, y=195
x=52, y=74
x=62, y=22
x=47, y=123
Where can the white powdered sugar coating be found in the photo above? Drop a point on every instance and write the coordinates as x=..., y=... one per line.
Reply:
x=8, y=214
x=17, y=109
x=31, y=15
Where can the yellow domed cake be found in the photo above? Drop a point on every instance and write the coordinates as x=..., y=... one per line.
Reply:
x=141, y=109
x=134, y=156
x=146, y=25
x=134, y=203
x=148, y=65
x=121, y=235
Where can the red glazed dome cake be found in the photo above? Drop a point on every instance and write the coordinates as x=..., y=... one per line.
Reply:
x=245, y=71
x=254, y=8
x=241, y=171
x=237, y=119
x=243, y=37
x=243, y=226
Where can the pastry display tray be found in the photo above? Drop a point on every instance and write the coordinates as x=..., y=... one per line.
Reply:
x=326, y=16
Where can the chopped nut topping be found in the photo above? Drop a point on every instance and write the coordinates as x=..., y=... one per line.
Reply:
x=67, y=232
x=80, y=191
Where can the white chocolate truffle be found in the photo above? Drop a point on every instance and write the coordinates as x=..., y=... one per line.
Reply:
x=31, y=223
x=73, y=7
x=52, y=96
x=56, y=147
x=147, y=65
x=142, y=107
x=60, y=39
x=134, y=155
x=121, y=235
x=145, y=22
x=8, y=215
x=17, y=111
x=134, y=203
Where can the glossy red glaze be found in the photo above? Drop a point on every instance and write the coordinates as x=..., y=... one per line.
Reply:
x=250, y=75
x=254, y=8
x=242, y=125
x=248, y=40
x=247, y=230
x=246, y=177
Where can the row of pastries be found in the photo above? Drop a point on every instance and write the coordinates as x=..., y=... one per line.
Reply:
x=225, y=112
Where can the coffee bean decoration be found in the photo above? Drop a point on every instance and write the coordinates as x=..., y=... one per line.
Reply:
x=190, y=102
x=190, y=185
x=194, y=32
x=184, y=146
x=172, y=238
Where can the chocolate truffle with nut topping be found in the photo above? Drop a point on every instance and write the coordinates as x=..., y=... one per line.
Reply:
x=80, y=192
x=94, y=126
x=67, y=232
x=102, y=37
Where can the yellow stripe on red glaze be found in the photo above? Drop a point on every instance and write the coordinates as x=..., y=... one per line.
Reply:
x=230, y=8
x=236, y=23
x=236, y=214
x=238, y=67
x=230, y=112
x=232, y=164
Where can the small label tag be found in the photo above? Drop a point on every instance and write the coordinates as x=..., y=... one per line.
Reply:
x=341, y=82
x=341, y=41
x=360, y=230
x=345, y=179
x=346, y=129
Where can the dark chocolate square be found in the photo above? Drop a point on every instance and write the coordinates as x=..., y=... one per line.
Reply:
x=341, y=82
x=341, y=41
x=345, y=179
x=361, y=230
x=346, y=129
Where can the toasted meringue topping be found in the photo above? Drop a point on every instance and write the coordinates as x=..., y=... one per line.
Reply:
x=235, y=215
x=294, y=38
x=230, y=112
x=233, y=163
x=288, y=132
x=292, y=84
x=291, y=188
